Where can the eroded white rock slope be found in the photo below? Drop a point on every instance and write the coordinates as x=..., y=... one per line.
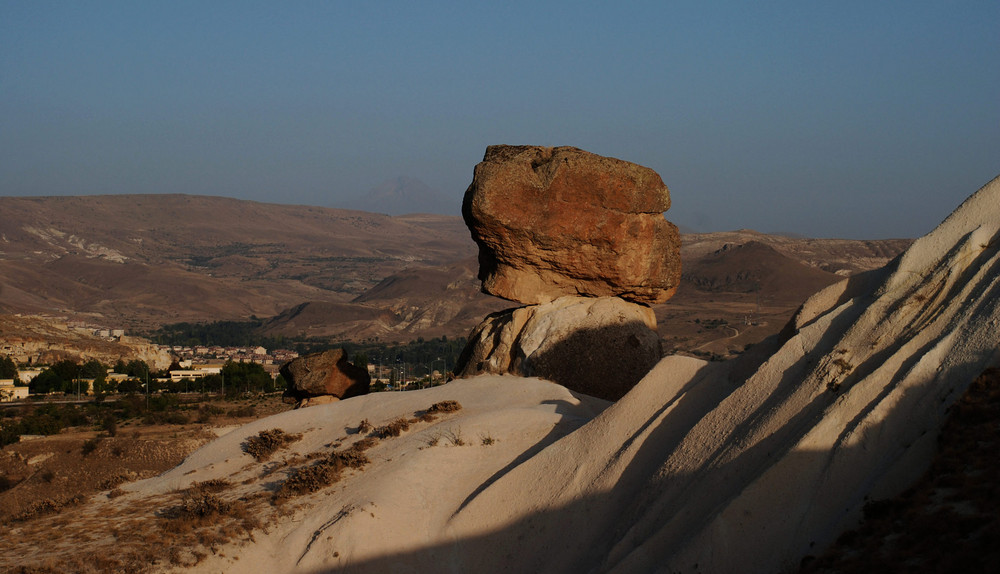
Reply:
x=698, y=468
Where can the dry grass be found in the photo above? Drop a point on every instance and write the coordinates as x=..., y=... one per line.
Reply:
x=394, y=428
x=444, y=407
x=454, y=436
x=204, y=519
x=267, y=442
x=328, y=471
x=46, y=506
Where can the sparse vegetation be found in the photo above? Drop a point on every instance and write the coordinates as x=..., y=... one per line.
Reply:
x=6, y=483
x=46, y=506
x=267, y=442
x=203, y=518
x=394, y=428
x=91, y=445
x=321, y=474
x=444, y=407
x=454, y=436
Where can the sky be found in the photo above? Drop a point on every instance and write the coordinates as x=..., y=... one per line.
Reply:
x=844, y=119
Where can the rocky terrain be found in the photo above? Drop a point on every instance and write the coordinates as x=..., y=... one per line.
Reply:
x=760, y=462
x=47, y=340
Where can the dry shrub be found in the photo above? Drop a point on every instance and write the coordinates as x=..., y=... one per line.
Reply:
x=444, y=407
x=394, y=428
x=203, y=517
x=455, y=437
x=364, y=444
x=47, y=506
x=213, y=485
x=364, y=426
x=241, y=412
x=91, y=445
x=7, y=483
x=308, y=479
x=351, y=458
x=267, y=442
x=117, y=480
x=203, y=504
x=322, y=474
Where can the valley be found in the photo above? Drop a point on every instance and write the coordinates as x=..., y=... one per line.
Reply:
x=141, y=262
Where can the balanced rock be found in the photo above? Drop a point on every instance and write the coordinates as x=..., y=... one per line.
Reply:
x=555, y=221
x=324, y=374
x=597, y=346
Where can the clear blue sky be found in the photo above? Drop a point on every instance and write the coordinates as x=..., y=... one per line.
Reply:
x=828, y=119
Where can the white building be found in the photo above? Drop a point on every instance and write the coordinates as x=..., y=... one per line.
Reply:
x=9, y=392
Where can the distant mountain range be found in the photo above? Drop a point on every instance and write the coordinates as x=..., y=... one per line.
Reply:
x=140, y=261
x=403, y=195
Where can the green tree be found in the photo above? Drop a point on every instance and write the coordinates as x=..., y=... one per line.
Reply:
x=129, y=386
x=8, y=368
x=246, y=376
x=137, y=368
x=360, y=360
x=45, y=382
x=66, y=369
x=93, y=369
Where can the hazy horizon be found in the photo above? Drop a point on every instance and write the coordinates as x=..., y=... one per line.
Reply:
x=852, y=120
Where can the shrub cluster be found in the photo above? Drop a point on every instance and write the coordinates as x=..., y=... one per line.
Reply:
x=444, y=407
x=394, y=428
x=267, y=442
x=325, y=472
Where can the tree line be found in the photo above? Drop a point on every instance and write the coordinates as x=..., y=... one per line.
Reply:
x=247, y=334
x=71, y=377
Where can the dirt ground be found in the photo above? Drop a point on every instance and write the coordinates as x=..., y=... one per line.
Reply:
x=43, y=474
x=736, y=322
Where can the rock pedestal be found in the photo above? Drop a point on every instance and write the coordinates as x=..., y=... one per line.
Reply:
x=582, y=240
x=597, y=346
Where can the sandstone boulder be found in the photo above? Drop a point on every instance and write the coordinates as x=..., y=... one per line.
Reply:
x=597, y=346
x=560, y=221
x=324, y=374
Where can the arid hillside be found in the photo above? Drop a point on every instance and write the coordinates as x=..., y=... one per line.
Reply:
x=140, y=261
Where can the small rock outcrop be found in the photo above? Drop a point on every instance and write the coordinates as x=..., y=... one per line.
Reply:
x=600, y=347
x=556, y=221
x=325, y=374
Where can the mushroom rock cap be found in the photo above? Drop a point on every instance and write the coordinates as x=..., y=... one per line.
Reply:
x=560, y=221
